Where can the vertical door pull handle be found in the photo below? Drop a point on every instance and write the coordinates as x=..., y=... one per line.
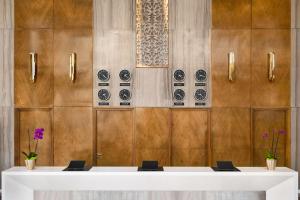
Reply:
x=231, y=67
x=33, y=66
x=72, y=72
x=271, y=63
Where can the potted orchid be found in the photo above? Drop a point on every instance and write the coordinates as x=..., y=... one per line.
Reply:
x=271, y=154
x=31, y=156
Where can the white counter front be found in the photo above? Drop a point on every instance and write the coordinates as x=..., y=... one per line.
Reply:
x=19, y=183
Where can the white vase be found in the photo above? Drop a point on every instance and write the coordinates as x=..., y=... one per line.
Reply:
x=30, y=164
x=271, y=164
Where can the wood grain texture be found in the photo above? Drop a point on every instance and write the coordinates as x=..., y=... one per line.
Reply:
x=189, y=15
x=73, y=139
x=28, y=94
x=113, y=43
x=234, y=14
x=152, y=87
x=34, y=14
x=263, y=92
x=114, y=15
x=79, y=92
x=224, y=92
x=271, y=14
x=6, y=138
x=267, y=121
x=230, y=135
x=6, y=67
x=297, y=14
x=7, y=14
x=148, y=195
x=114, y=51
x=29, y=120
x=190, y=144
x=152, y=135
x=73, y=14
x=189, y=43
x=297, y=68
x=115, y=137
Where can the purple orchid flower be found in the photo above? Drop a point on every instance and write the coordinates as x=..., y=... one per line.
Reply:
x=282, y=132
x=38, y=134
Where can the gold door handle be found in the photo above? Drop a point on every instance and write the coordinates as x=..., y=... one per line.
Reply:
x=231, y=67
x=271, y=63
x=72, y=67
x=33, y=66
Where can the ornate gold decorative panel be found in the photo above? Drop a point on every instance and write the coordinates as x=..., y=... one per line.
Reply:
x=152, y=46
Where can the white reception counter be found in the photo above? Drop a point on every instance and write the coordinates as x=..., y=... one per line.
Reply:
x=19, y=183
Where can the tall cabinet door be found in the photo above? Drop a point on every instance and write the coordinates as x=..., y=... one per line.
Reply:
x=152, y=135
x=26, y=122
x=114, y=137
x=40, y=92
x=266, y=93
x=266, y=121
x=77, y=92
x=190, y=141
x=230, y=135
x=73, y=135
x=228, y=93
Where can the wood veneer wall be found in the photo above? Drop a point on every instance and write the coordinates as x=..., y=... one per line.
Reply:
x=250, y=29
x=230, y=130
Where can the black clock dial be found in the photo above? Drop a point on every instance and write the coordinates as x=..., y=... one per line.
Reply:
x=179, y=94
x=125, y=94
x=179, y=75
x=103, y=75
x=200, y=94
x=104, y=94
x=200, y=75
x=125, y=75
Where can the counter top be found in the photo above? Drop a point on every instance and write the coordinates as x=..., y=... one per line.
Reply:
x=279, y=184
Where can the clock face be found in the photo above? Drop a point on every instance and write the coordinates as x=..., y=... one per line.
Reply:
x=103, y=75
x=125, y=94
x=200, y=94
x=179, y=94
x=200, y=75
x=125, y=75
x=104, y=94
x=179, y=75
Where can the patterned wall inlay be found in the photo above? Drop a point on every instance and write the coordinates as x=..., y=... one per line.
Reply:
x=152, y=33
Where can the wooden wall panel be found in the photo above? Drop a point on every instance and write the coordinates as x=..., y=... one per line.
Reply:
x=234, y=14
x=114, y=15
x=190, y=137
x=73, y=135
x=267, y=121
x=189, y=43
x=73, y=14
x=79, y=92
x=40, y=93
x=115, y=137
x=29, y=120
x=271, y=14
x=7, y=14
x=33, y=14
x=230, y=135
x=152, y=135
x=224, y=92
x=263, y=92
x=152, y=87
